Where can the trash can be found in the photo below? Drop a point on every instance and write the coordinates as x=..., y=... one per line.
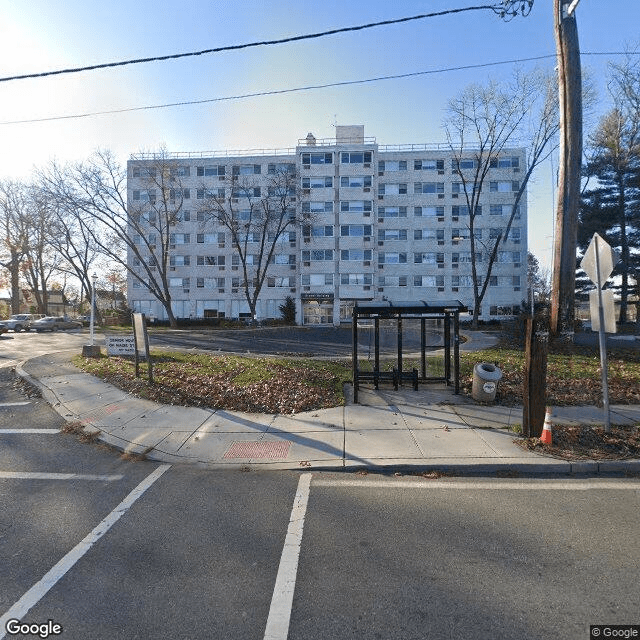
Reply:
x=485, y=382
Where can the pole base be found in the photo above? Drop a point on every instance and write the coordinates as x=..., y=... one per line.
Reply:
x=91, y=351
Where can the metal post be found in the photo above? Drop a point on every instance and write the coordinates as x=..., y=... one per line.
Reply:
x=423, y=348
x=603, y=344
x=94, y=279
x=354, y=356
x=447, y=348
x=400, y=345
x=456, y=352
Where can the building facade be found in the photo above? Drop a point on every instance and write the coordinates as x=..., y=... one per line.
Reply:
x=384, y=223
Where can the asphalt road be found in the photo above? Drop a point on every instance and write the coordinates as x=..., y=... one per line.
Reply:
x=116, y=549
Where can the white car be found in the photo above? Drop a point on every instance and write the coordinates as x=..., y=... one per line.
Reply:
x=21, y=321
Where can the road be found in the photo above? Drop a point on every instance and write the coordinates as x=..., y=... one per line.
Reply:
x=111, y=548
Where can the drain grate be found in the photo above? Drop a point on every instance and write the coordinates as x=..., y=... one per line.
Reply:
x=258, y=450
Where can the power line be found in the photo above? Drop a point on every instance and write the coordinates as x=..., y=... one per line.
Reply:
x=495, y=8
x=274, y=92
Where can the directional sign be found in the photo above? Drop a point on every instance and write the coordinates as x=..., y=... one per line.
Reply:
x=599, y=254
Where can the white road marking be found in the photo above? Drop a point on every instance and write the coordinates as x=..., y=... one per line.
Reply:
x=13, y=404
x=277, y=627
x=41, y=588
x=3, y=431
x=479, y=484
x=38, y=475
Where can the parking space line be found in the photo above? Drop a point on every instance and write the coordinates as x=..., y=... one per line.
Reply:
x=41, y=588
x=277, y=627
x=38, y=475
x=529, y=484
x=30, y=430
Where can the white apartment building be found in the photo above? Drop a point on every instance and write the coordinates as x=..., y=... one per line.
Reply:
x=388, y=222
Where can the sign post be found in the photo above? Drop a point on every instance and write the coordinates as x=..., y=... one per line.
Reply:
x=598, y=262
x=141, y=342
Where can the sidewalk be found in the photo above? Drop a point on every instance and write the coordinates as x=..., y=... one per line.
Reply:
x=428, y=429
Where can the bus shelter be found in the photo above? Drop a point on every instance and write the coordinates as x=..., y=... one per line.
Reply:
x=447, y=312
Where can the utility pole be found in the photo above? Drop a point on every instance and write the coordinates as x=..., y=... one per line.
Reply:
x=569, y=170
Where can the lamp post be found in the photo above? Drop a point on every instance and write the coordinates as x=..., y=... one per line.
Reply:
x=94, y=278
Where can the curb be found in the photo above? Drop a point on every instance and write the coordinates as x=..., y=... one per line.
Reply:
x=548, y=466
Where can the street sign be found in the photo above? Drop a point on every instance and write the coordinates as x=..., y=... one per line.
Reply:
x=599, y=251
x=598, y=262
x=607, y=307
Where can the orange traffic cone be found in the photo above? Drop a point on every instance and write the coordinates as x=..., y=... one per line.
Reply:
x=546, y=437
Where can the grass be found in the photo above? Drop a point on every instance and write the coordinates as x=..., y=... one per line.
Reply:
x=289, y=385
x=267, y=385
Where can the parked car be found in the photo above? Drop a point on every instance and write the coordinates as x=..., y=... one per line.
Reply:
x=21, y=321
x=84, y=320
x=52, y=323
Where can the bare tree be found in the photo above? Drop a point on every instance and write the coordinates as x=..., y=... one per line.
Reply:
x=13, y=240
x=485, y=122
x=40, y=260
x=258, y=213
x=137, y=238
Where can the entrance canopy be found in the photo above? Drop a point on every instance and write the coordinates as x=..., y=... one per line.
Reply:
x=448, y=311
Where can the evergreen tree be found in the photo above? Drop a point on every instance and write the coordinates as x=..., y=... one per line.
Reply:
x=612, y=206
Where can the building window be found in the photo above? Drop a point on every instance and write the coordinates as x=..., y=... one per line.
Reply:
x=428, y=187
x=356, y=254
x=180, y=238
x=428, y=234
x=319, y=231
x=504, y=186
x=284, y=258
x=317, y=207
x=392, y=257
x=392, y=234
x=317, y=279
x=211, y=170
x=458, y=164
x=355, y=230
x=246, y=169
x=320, y=182
x=180, y=261
x=210, y=261
x=506, y=257
x=205, y=194
x=144, y=195
x=428, y=165
x=426, y=212
x=317, y=158
x=428, y=281
x=463, y=210
x=143, y=172
x=356, y=206
x=356, y=279
x=281, y=167
x=392, y=212
x=355, y=181
x=505, y=163
x=392, y=165
x=389, y=189
x=317, y=255
x=355, y=157
x=179, y=194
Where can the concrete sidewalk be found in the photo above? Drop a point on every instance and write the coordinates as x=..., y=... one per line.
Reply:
x=431, y=429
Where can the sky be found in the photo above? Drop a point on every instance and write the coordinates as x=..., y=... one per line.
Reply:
x=44, y=35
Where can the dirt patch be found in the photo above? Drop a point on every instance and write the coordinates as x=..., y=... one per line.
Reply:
x=588, y=443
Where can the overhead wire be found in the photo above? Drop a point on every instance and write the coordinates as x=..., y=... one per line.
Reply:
x=248, y=45
x=274, y=92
